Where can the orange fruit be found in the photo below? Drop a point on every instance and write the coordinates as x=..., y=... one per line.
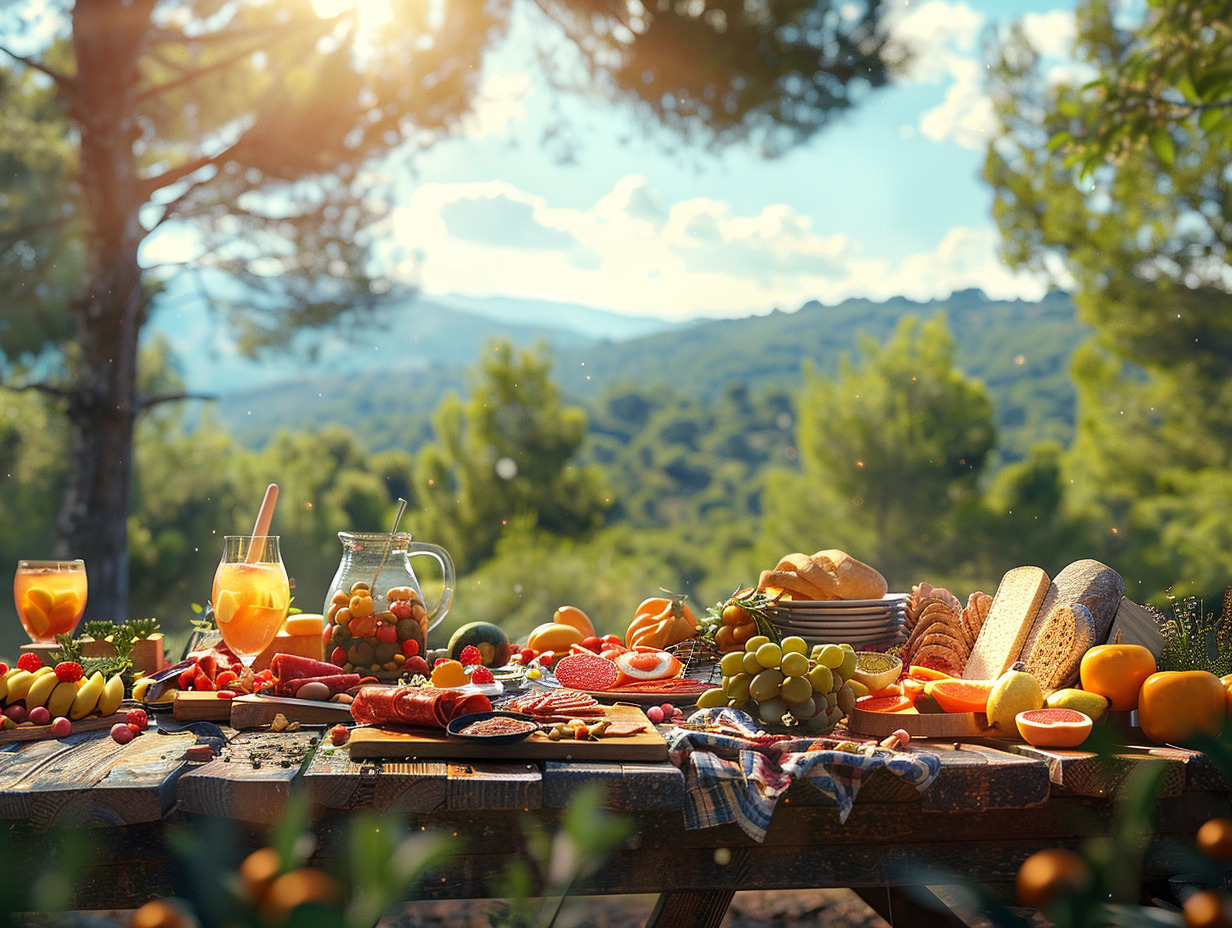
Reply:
x=1214, y=838
x=876, y=702
x=1047, y=873
x=258, y=870
x=162, y=913
x=299, y=887
x=1116, y=672
x=1208, y=908
x=1053, y=728
x=1176, y=705
x=955, y=695
x=555, y=636
x=572, y=615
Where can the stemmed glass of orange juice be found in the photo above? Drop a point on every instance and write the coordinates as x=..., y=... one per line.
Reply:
x=50, y=597
x=251, y=594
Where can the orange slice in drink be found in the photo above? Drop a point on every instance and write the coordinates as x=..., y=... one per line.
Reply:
x=36, y=617
x=224, y=609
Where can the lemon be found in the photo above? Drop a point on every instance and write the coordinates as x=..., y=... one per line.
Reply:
x=1015, y=691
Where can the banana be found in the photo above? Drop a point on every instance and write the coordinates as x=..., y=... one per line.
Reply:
x=40, y=690
x=113, y=695
x=19, y=681
x=60, y=703
x=88, y=696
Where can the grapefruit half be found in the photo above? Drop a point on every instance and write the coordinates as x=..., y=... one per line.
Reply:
x=1053, y=728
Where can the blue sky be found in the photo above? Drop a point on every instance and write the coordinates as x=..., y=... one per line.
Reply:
x=886, y=202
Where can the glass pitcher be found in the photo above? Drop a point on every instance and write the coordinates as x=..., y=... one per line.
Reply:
x=375, y=612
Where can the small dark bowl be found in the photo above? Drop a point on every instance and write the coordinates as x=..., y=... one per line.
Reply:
x=454, y=729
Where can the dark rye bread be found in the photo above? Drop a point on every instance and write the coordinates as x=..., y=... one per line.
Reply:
x=1088, y=583
x=1010, y=617
x=1058, y=641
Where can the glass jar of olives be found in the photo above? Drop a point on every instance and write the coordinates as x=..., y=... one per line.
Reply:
x=375, y=613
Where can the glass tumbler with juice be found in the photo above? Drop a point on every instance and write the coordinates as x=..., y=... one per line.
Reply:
x=50, y=597
x=251, y=594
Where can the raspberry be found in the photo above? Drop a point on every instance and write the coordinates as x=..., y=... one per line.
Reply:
x=137, y=719
x=482, y=675
x=69, y=671
x=470, y=656
x=29, y=662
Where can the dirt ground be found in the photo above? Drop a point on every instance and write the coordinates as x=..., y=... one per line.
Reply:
x=833, y=908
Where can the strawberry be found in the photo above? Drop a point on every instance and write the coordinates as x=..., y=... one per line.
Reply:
x=470, y=656
x=69, y=671
x=29, y=662
x=137, y=719
x=482, y=675
x=339, y=734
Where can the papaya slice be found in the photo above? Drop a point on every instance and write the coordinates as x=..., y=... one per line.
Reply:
x=955, y=695
x=920, y=672
x=886, y=703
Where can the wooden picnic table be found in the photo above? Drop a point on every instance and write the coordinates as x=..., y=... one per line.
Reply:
x=991, y=806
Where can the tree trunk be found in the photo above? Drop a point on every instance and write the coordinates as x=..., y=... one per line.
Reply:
x=102, y=399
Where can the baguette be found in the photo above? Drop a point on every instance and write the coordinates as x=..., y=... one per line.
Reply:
x=1010, y=617
x=1057, y=644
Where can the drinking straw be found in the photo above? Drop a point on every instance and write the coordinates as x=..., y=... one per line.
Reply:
x=261, y=528
x=389, y=542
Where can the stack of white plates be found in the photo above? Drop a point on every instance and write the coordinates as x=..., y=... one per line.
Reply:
x=861, y=623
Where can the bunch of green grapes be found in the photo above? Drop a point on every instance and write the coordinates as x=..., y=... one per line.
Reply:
x=784, y=683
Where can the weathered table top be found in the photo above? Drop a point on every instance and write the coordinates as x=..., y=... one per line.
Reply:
x=991, y=806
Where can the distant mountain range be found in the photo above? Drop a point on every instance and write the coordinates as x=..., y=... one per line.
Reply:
x=418, y=334
x=387, y=382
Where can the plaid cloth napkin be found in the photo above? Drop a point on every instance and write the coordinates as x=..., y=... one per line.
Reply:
x=740, y=777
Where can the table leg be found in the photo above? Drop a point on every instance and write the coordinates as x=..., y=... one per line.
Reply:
x=691, y=909
x=910, y=905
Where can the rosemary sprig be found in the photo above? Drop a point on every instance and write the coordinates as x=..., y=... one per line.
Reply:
x=1195, y=639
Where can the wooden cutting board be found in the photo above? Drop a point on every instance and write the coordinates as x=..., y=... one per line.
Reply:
x=191, y=706
x=647, y=745
x=923, y=725
x=39, y=732
x=257, y=711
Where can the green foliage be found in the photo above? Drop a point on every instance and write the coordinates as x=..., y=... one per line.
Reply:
x=1143, y=242
x=1195, y=639
x=891, y=452
x=1164, y=91
x=509, y=451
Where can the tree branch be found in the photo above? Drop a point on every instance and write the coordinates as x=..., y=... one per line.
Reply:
x=147, y=402
x=62, y=80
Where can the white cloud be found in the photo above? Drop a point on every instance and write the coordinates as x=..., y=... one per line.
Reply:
x=944, y=37
x=700, y=258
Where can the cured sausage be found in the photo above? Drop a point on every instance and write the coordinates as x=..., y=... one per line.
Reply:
x=416, y=706
x=587, y=672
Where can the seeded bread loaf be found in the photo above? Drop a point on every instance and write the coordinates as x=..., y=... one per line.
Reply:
x=1091, y=584
x=1056, y=644
x=1010, y=616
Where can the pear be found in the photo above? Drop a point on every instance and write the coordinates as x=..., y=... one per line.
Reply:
x=87, y=696
x=40, y=690
x=113, y=695
x=1015, y=691
x=60, y=703
x=1090, y=704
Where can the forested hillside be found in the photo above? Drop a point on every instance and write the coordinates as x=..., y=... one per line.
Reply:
x=1020, y=351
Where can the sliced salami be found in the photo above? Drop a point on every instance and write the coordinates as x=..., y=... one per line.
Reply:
x=416, y=706
x=587, y=672
x=287, y=667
